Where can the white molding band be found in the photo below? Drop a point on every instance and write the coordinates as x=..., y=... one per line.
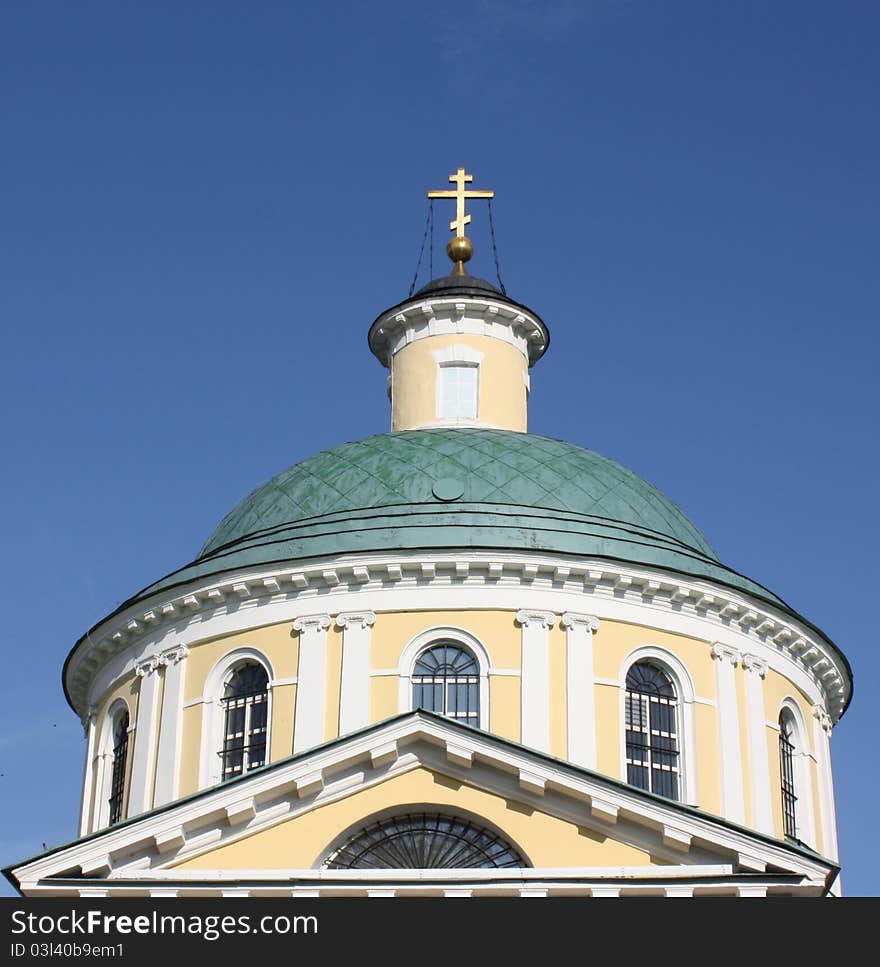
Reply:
x=581, y=699
x=536, y=627
x=418, y=581
x=143, y=763
x=732, y=798
x=170, y=726
x=354, y=698
x=88, y=771
x=311, y=692
x=759, y=753
x=822, y=742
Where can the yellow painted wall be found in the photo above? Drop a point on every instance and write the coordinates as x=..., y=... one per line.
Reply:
x=334, y=682
x=301, y=843
x=502, y=389
x=559, y=697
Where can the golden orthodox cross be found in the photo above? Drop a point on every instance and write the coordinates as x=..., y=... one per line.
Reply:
x=460, y=194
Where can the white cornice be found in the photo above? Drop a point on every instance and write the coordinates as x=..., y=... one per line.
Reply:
x=474, y=315
x=433, y=581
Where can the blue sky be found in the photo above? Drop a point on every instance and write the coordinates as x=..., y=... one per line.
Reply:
x=205, y=205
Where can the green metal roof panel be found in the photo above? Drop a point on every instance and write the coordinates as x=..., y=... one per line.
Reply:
x=494, y=466
x=518, y=491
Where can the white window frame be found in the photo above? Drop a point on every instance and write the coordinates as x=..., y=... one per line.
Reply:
x=214, y=712
x=432, y=636
x=460, y=356
x=803, y=785
x=105, y=774
x=683, y=686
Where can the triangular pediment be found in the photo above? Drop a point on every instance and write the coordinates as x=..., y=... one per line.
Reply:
x=274, y=828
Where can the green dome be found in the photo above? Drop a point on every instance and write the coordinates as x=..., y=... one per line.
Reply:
x=447, y=489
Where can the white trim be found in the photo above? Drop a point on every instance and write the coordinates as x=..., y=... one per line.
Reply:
x=456, y=418
x=458, y=353
x=416, y=645
x=170, y=726
x=684, y=690
x=311, y=695
x=143, y=764
x=822, y=742
x=210, y=765
x=354, y=692
x=732, y=795
x=580, y=687
x=806, y=827
x=430, y=581
x=535, y=690
x=88, y=771
x=759, y=753
x=453, y=316
x=104, y=764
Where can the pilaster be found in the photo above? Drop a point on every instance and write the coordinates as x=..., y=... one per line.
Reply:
x=535, y=707
x=732, y=798
x=354, y=701
x=581, y=705
x=311, y=692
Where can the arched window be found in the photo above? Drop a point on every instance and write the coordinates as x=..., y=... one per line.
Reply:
x=119, y=761
x=787, y=772
x=446, y=679
x=424, y=841
x=245, y=702
x=651, y=720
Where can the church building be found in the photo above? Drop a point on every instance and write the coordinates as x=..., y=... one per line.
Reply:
x=455, y=659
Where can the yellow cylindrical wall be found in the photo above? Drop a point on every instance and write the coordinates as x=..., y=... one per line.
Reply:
x=502, y=394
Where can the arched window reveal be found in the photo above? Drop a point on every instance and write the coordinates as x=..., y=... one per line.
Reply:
x=424, y=841
x=787, y=750
x=120, y=757
x=245, y=702
x=651, y=720
x=446, y=679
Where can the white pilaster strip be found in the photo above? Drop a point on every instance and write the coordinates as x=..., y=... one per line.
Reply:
x=581, y=704
x=759, y=756
x=170, y=726
x=536, y=677
x=354, y=698
x=88, y=770
x=311, y=692
x=144, y=758
x=732, y=800
x=822, y=741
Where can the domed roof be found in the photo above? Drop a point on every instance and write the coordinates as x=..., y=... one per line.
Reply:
x=446, y=489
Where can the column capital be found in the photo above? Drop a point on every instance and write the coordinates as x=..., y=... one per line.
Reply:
x=356, y=619
x=171, y=656
x=312, y=622
x=148, y=666
x=752, y=663
x=824, y=718
x=571, y=619
x=725, y=653
x=542, y=619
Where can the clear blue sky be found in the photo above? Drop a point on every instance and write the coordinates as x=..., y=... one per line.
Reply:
x=205, y=205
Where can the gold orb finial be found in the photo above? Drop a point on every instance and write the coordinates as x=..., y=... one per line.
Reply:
x=460, y=250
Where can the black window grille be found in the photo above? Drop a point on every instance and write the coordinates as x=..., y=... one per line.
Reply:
x=446, y=679
x=117, y=775
x=652, y=752
x=424, y=841
x=787, y=748
x=246, y=701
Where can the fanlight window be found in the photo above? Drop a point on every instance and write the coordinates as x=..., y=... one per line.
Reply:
x=424, y=841
x=652, y=753
x=120, y=757
x=245, y=702
x=446, y=679
x=787, y=750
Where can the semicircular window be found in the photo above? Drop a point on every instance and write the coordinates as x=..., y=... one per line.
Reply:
x=424, y=841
